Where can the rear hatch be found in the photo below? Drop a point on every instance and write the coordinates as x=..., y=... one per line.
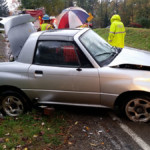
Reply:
x=18, y=29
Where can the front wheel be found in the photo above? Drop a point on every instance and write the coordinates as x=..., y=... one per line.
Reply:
x=12, y=103
x=137, y=109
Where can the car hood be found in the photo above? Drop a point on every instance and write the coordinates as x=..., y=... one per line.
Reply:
x=132, y=58
x=18, y=29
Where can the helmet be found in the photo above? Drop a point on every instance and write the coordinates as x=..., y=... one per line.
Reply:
x=52, y=17
x=45, y=17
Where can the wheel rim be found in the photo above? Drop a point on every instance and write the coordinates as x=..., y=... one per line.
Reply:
x=138, y=110
x=12, y=106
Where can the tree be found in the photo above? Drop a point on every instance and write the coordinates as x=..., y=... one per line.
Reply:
x=31, y=4
x=68, y=3
x=52, y=7
x=137, y=11
x=3, y=8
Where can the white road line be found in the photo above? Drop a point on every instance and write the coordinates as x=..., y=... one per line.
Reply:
x=132, y=134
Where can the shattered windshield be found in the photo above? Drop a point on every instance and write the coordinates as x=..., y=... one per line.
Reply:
x=102, y=52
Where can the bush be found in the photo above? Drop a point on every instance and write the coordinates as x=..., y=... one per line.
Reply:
x=145, y=22
x=135, y=25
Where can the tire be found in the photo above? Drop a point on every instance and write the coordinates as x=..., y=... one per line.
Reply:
x=12, y=103
x=137, y=109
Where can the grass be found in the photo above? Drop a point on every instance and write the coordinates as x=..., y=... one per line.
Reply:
x=32, y=131
x=135, y=37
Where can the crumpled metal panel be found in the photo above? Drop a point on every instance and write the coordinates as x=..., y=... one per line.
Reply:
x=132, y=56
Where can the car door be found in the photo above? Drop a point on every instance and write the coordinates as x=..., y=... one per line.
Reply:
x=86, y=81
x=56, y=76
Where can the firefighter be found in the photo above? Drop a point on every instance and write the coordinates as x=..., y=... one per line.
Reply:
x=117, y=32
x=45, y=23
x=52, y=24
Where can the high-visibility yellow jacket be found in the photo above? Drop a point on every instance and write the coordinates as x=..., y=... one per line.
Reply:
x=117, y=32
x=49, y=27
x=46, y=26
x=43, y=26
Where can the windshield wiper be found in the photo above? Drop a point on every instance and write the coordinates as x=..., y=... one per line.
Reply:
x=112, y=53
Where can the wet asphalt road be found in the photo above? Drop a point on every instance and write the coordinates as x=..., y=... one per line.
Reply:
x=99, y=128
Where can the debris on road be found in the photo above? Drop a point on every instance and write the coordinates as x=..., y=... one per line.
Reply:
x=49, y=111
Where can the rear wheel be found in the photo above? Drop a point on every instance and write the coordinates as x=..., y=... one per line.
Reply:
x=12, y=103
x=137, y=109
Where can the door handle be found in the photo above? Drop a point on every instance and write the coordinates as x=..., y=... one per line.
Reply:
x=79, y=69
x=38, y=73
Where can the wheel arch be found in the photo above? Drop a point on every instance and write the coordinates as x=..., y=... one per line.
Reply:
x=12, y=88
x=121, y=99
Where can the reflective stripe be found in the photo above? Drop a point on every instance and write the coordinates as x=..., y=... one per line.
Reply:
x=119, y=32
x=112, y=32
x=116, y=32
x=49, y=26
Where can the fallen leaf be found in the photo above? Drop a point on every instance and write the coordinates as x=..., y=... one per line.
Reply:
x=86, y=134
x=83, y=130
x=7, y=134
x=4, y=147
x=102, y=143
x=6, y=139
x=29, y=142
x=76, y=123
x=87, y=128
x=100, y=131
x=70, y=143
x=60, y=133
x=93, y=144
x=16, y=118
x=35, y=136
x=90, y=133
x=42, y=123
x=18, y=146
x=65, y=141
